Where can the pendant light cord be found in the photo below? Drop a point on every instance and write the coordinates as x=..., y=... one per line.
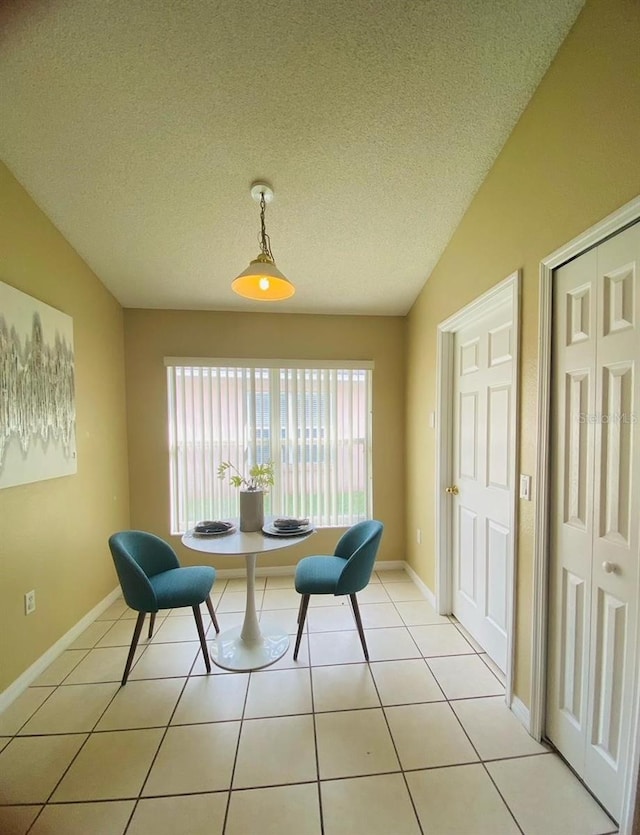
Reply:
x=265, y=240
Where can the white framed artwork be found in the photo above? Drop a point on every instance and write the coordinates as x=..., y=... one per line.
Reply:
x=37, y=390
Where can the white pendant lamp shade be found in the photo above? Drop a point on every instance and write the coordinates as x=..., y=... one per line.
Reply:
x=262, y=280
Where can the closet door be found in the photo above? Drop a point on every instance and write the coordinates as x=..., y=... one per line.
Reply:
x=595, y=507
x=571, y=504
x=614, y=578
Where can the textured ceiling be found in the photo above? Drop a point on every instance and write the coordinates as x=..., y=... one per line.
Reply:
x=139, y=125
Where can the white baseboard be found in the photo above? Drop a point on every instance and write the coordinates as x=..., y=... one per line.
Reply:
x=39, y=666
x=389, y=565
x=426, y=591
x=274, y=571
x=521, y=712
x=290, y=570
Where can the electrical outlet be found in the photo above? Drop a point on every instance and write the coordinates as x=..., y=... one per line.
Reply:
x=30, y=602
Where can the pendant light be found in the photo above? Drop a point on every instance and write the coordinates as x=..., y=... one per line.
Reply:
x=262, y=280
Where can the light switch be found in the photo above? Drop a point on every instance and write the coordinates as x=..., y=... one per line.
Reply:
x=525, y=487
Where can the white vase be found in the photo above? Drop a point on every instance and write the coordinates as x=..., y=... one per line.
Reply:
x=251, y=510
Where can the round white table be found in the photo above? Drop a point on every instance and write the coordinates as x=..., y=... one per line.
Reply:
x=246, y=647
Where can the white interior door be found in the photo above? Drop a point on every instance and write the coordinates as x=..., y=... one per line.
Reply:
x=595, y=506
x=482, y=501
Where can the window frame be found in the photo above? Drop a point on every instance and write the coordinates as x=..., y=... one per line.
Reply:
x=271, y=437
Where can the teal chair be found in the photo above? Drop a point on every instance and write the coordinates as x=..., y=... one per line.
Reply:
x=151, y=579
x=348, y=571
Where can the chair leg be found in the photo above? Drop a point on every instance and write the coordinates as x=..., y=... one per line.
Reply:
x=205, y=652
x=214, y=619
x=152, y=622
x=356, y=614
x=302, y=614
x=132, y=648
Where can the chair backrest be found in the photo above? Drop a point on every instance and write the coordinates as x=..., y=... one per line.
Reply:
x=358, y=546
x=138, y=555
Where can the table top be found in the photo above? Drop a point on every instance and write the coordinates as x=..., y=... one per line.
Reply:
x=241, y=542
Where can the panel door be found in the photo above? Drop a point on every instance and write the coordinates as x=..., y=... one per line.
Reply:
x=571, y=503
x=481, y=512
x=616, y=547
x=595, y=510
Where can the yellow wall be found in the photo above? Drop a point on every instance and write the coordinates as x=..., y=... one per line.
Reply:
x=53, y=534
x=150, y=335
x=573, y=158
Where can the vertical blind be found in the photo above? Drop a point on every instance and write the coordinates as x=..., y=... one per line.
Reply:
x=313, y=423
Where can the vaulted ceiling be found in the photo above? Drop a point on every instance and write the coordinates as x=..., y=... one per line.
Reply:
x=138, y=127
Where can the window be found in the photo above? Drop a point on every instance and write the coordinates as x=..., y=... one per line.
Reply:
x=313, y=422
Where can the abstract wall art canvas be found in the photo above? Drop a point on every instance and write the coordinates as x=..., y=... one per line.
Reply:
x=37, y=390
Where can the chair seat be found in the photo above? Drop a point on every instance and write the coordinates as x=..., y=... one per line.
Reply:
x=318, y=575
x=186, y=586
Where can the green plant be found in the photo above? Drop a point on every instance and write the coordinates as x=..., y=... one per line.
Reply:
x=261, y=476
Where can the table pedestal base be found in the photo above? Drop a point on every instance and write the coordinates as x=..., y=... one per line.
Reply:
x=230, y=652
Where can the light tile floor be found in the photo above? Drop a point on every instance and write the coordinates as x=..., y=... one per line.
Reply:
x=416, y=742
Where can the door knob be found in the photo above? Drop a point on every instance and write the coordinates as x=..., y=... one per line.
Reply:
x=610, y=567
x=452, y=491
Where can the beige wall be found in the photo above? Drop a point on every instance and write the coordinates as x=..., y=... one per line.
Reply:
x=150, y=335
x=53, y=534
x=573, y=158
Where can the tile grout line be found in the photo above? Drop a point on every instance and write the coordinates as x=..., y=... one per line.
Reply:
x=235, y=758
x=315, y=740
x=464, y=730
x=446, y=700
x=395, y=748
x=486, y=770
x=162, y=738
x=192, y=676
x=386, y=718
x=480, y=654
x=568, y=765
x=73, y=759
x=77, y=754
